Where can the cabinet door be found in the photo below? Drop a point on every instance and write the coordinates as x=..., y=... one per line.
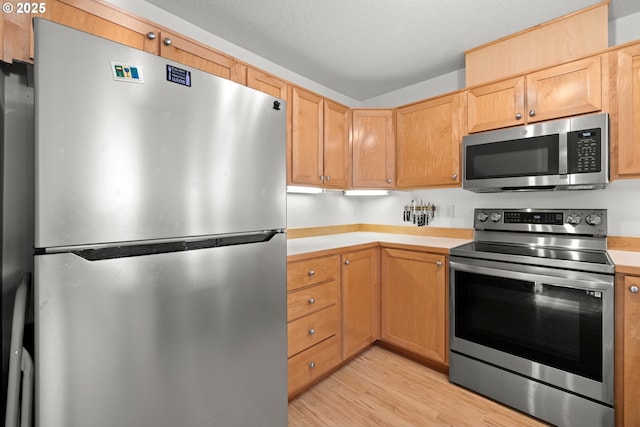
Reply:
x=360, y=301
x=184, y=51
x=266, y=83
x=565, y=90
x=105, y=21
x=496, y=105
x=305, y=148
x=373, y=149
x=627, y=363
x=414, y=302
x=15, y=37
x=625, y=113
x=337, y=131
x=428, y=145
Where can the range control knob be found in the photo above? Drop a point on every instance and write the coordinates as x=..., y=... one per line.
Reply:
x=481, y=216
x=495, y=217
x=593, y=219
x=574, y=219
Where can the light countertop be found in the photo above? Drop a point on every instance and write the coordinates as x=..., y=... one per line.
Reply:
x=626, y=262
x=337, y=241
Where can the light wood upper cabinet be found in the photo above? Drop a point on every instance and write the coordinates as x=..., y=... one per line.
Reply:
x=373, y=149
x=428, y=143
x=414, y=302
x=16, y=37
x=266, y=83
x=90, y=16
x=306, y=147
x=360, y=301
x=560, y=91
x=627, y=341
x=337, y=138
x=496, y=105
x=318, y=150
x=184, y=51
x=625, y=112
x=576, y=35
x=111, y=23
x=565, y=90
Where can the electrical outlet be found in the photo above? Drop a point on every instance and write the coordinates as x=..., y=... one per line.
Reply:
x=449, y=211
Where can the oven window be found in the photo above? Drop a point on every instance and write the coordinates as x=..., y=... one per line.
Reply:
x=522, y=157
x=556, y=326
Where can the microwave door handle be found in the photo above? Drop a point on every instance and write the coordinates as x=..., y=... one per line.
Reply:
x=562, y=157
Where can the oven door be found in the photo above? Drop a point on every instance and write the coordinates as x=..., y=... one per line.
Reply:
x=554, y=326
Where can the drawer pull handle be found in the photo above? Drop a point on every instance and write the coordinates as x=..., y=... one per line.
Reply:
x=312, y=301
x=439, y=263
x=312, y=273
x=634, y=289
x=312, y=331
x=312, y=365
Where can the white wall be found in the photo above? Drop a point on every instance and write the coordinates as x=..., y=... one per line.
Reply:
x=330, y=208
x=624, y=30
x=455, y=206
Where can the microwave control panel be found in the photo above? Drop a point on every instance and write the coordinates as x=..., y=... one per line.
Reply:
x=584, y=151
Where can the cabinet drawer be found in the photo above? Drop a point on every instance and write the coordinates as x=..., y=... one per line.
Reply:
x=308, y=272
x=311, y=329
x=313, y=363
x=309, y=300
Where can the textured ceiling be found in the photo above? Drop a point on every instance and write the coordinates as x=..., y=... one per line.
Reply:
x=365, y=48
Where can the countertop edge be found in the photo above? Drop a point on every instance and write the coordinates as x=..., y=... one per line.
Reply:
x=626, y=262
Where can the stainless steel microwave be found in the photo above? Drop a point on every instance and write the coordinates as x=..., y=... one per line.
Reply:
x=565, y=154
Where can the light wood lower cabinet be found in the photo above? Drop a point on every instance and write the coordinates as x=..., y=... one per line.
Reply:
x=360, y=301
x=312, y=364
x=414, y=302
x=312, y=329
x=339, y=304
x=627, y=362
x=311, y=299
x=313, y=319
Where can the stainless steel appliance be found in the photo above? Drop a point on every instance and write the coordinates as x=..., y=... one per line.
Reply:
x=160, y=264
x=566, y=154
x=532, y=317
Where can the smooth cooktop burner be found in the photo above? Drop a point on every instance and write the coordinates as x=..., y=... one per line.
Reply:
x=597, y=261
x=560, y=254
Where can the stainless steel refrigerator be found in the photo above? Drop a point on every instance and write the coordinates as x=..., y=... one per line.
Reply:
x=160, y=267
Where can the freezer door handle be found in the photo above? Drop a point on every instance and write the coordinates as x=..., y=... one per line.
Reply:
x=154, y=248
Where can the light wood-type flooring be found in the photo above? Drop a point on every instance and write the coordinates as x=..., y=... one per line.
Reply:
x=380, y=388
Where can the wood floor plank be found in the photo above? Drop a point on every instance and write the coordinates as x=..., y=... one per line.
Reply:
x=380, y=388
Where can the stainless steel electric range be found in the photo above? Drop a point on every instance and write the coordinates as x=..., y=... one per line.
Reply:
x=532, y=319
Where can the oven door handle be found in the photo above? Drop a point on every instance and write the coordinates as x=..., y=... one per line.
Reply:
x=571, y=279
